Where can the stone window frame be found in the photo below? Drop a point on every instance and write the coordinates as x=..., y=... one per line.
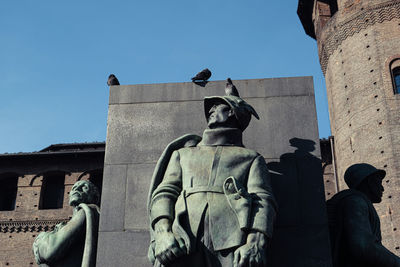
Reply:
x=43, y=205
x=394, y=66
x=10, y=175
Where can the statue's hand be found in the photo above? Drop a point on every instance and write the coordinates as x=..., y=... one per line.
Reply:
x=253, y=253
x=167, y=247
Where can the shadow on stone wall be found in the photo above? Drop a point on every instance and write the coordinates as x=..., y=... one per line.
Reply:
x=301, y=224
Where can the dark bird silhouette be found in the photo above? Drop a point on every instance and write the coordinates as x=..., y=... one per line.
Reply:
x=112, y=80
x=203, y=76
x=230, y=88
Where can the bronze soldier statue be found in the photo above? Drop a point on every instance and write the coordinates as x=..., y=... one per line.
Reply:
x=354, y=224
x=72, y=244
x=211, y=202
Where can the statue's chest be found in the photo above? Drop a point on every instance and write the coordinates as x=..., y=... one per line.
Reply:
x=212, y=165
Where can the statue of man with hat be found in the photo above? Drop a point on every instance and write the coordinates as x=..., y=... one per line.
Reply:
x=354, y=224
x=210, y=201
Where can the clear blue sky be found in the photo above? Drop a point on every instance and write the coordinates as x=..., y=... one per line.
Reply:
x=56, y=56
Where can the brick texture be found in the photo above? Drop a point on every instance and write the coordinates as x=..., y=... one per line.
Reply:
x=356, y=47
x=328, y=167
x=19, y=227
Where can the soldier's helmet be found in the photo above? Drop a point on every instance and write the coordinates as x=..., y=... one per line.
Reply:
x=241, y=108
x=356, y=173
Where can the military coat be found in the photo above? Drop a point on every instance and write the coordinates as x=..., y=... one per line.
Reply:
x=355, y=232
x=230, y=181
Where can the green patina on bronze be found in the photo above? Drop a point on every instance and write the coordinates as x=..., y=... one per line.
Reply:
x=72, y=244
x=210, y=201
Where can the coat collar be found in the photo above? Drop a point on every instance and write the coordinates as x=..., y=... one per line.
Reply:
x=222, y=137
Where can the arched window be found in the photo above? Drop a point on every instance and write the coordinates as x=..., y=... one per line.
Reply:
x=396, y=80
x=395, y=73
x=8, y=191
x=96, y=177
x=52, y=192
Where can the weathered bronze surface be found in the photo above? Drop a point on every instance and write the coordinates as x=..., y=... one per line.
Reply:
x=353, y=222
x=73, y=243
x=210, y=201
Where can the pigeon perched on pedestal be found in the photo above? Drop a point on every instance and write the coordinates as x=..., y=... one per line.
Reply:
x=230, y=88
x=112, y=80
x=202, y=76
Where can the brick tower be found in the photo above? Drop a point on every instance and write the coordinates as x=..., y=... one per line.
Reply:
x=359, y=51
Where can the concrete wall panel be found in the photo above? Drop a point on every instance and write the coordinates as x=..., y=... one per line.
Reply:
x=143, y=119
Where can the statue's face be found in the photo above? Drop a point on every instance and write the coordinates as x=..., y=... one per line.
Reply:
x=80, y=193
x=376, y=189
x=219, y=115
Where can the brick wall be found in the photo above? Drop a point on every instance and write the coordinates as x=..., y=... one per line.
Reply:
x=19, y=227
x=328, y=167
x=356, y=47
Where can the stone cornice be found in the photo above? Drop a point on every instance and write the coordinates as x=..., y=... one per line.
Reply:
x=335, y=32
x=29, y=226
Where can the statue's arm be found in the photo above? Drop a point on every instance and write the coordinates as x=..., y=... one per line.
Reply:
x=165, y=195
x=264, y=205
x=162, y=209
x=53, y=245
x=262, y=217
x=359, y=237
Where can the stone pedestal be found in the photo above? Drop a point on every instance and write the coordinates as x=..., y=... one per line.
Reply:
x=143, y=119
